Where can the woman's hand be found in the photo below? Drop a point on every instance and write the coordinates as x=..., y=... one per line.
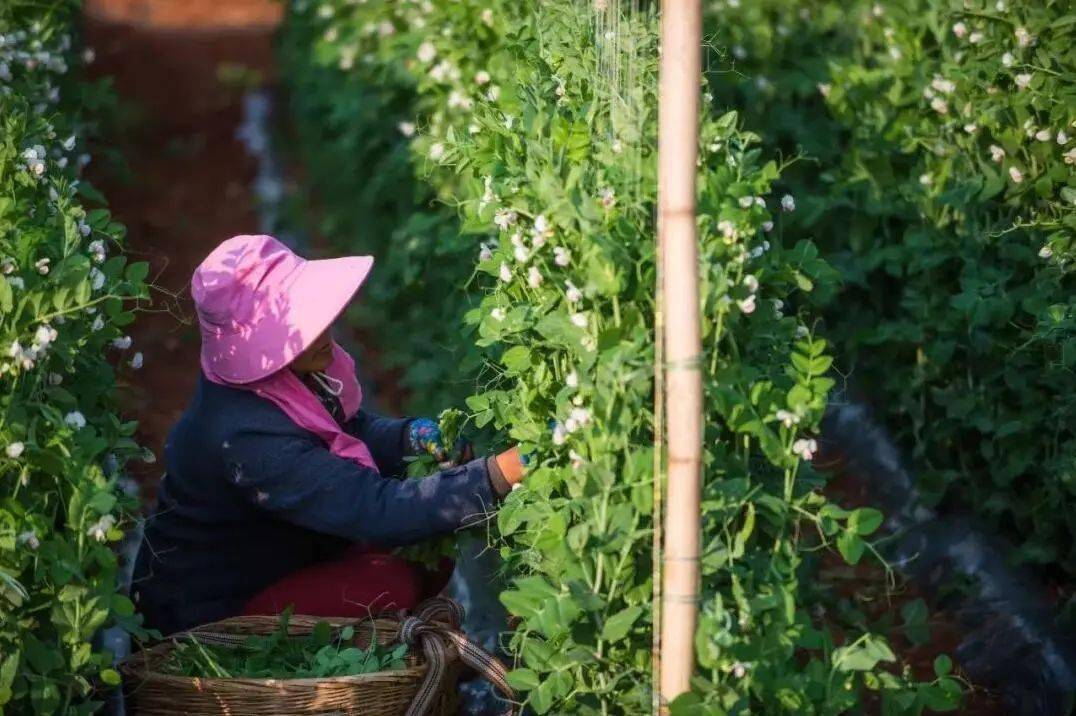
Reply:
x=424, y=437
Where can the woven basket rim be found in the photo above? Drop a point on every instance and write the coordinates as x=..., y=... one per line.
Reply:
x=138, y=667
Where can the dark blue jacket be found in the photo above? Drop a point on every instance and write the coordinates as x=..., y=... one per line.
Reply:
x=249, y=497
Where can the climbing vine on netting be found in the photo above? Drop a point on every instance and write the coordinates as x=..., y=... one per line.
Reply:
x=64, y=292
x=525, y=164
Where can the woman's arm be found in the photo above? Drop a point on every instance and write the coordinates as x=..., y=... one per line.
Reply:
x=297, y=479
x=385, y=437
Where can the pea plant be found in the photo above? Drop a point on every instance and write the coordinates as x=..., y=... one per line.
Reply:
x=544, y=156
x=63, y=307
x=938, y=176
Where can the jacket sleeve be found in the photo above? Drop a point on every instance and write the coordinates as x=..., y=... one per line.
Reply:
x=301, y=481
x=385, y=437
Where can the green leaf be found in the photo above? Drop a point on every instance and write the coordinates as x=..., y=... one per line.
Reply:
x=850, y=546
x=865, y=520
x=617, y=626
x=523, y=679
x=111, y=677
x=943, y=665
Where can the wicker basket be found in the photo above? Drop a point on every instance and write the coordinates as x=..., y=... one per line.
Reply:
x=387, y=693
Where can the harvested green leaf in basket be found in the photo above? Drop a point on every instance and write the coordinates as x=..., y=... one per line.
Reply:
x=325, y=652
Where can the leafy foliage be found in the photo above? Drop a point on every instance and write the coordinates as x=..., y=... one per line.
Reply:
x=940, y=179
x=323, y=653
x=542, y=156
x=63, y=304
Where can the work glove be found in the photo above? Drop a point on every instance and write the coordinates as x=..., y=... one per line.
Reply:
x=424, y=438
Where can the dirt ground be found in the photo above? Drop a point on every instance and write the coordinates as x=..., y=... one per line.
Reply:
x=191, y=175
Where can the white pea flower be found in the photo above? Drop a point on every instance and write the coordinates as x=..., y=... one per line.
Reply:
x=577, y=418
x=98, y=251
x=1007, y=59
x=487, y=16
x=406, y=128
x=325, y=11
x=1023, y=37
x=55, y=379
x=437, y=151
x=75, y=419
x=997, y=153
x=760, y=202
x=1043, y=135
x=97, y=279
x=15, y=450
x=385, y=29
x=939, y=105
x=541, y=226
x=971, y=128
x=561, y=256
x=481, y=77
x=895, y=52
x=617, y=146
x=805, y=448
x=7, y=266
x=99, y=530
x=788, y=203
x=739, y=669
x=960, y=30
x=975, y=38
x=29, y=538
x=1000, y=6
x=608, y=197
x=122, y=343
x=802, y=332
x=534, y=277
x=473, y=128
x=751, y=283
x=1023, y=80
x=1069, y=156
x=824, y=88
x=460, y=100
x=1016, y=175
x=572, y=380
x=45, y=335
x=747, y=305
x=925, y=179
x=15, y=350
x=505, y=273
x=579, y=319
x=560, y=434
x=1046, y=252
x=98, y=323
x=521, y=254
x=426, y=52
x=497, y=314
x=42, y=266
x=69, y=143
x=739, y=52
x=576, y=458
x=441, y=71
x=137, y=360
x=728, y=230
x=787, y=418
x=509, y=120
x=504, y=218
x=1062, y=138
x=572, y=292
x=767, y=226
x=746, y=201
x=485, y=253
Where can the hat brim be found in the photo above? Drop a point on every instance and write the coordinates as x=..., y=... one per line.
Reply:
x=292, y=321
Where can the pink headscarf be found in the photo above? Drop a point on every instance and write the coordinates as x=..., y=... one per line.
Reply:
x=259, y=306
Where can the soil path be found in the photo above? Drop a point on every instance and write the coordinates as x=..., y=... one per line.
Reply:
x=190, y=174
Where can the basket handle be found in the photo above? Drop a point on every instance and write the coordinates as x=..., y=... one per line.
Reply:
x=435, y=626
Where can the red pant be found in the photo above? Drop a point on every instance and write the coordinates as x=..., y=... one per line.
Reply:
x=360, y=583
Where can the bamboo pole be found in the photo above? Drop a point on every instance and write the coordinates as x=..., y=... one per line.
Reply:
x=678, y=128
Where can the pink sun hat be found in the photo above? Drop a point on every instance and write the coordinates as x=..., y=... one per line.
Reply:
x=260, y=305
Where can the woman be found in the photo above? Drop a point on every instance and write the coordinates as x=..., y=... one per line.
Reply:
x=279, y=488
